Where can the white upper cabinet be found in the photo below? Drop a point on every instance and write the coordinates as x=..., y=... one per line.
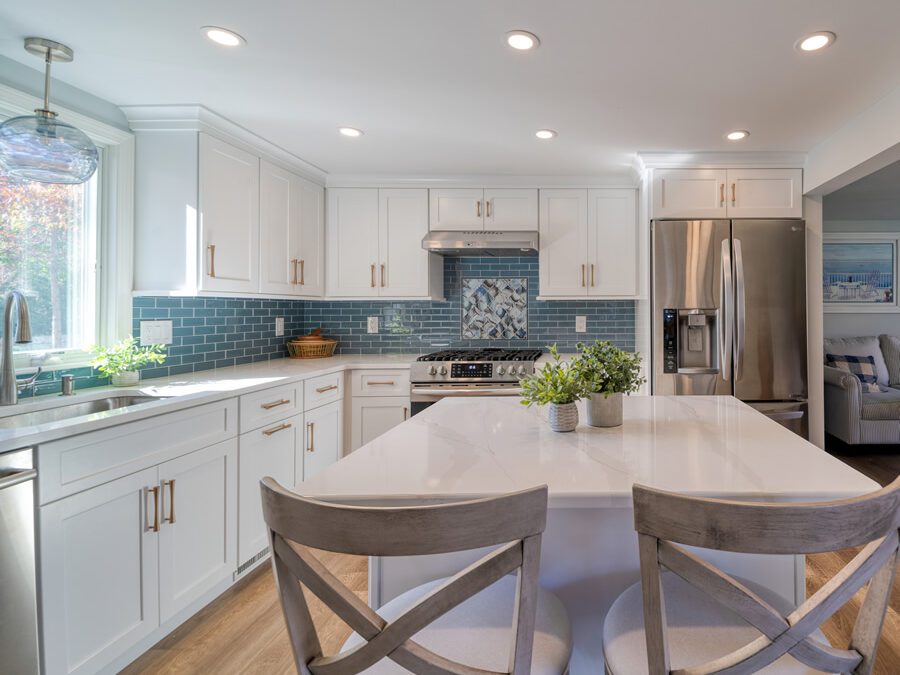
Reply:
x=612, y=243
x=229, y=217
x=375, y=244
x=765, y=193
x=563, y=242
x=509, y=209
x=727, y=193
x=291, y=233
x=467, y=209
x=457, y=209
x=689, y=193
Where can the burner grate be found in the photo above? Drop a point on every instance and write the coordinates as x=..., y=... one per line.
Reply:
x=487, y=354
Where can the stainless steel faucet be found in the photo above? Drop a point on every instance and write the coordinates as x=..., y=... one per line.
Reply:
x=9, y=386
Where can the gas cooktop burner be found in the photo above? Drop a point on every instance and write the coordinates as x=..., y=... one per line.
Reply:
x=483, y=355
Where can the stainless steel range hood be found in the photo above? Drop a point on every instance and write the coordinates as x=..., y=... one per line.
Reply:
x=479, y=242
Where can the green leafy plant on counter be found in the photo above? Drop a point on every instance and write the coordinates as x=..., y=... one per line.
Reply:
x=125, y=356
x=605, y=369
x=556, y=382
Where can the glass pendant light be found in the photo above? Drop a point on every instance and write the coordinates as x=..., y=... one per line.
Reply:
x=39, y=147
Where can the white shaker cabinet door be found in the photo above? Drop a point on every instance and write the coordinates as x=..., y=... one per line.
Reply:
x=279, y=230
x=563, y=246
x=403, y=263
x=509, y=210
x=267, y=451
x=457, y=209
x=374, y=415
x=352, y=242
x=198, y=525
x=612, y=243
x=310, y=258
x=229, y=218
x=99, y=573
x=324, y=440
x=765, y=193
x=689, y=193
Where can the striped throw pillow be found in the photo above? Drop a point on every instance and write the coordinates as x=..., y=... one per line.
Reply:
x=861, y=366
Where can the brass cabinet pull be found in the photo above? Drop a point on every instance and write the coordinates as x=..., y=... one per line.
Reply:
x=405, y=413
x=212, y=260
x=281, y=427
x=582, y=276
x=592, y=275
x=387, y=383
x=312, y=436
x=171, y=518
x=155, y=492
x=488, y=206
x=274, y=404
x=721, y=194
x=302, y=274
x=330, y=387
x=382, y=275
x=733, y=194
x=294, y=266
x=478, y=208
x=373, y=275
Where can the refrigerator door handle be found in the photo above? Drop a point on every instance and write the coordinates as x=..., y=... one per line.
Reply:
x=726, y=320
x=741, y=305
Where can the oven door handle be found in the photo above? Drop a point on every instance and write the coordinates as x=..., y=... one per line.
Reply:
x=467, y=391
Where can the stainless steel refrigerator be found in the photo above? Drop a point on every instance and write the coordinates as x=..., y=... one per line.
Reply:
x=729, y=313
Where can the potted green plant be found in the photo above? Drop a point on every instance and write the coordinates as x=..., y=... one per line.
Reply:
x=558, y=386
x=122, y=362
x=606, y=373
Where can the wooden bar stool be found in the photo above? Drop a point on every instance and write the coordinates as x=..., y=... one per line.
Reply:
x=696, y=619
x=460, y=625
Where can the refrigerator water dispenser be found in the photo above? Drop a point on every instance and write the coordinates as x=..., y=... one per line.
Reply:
x=690, y=345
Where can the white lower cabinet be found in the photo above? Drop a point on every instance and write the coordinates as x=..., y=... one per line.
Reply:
x=269, y=451
x=323, y=440
x=374, y=415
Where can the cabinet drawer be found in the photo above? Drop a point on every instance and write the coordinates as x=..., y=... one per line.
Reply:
x=270, y=405
x=380, y=382
x=323, y=389
x=73, y=464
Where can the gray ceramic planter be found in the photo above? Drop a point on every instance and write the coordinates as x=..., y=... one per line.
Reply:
x=563, y=416
x=604, y=411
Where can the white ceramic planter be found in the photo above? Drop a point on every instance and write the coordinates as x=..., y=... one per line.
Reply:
x=563, y=416
x=129, y=378
x=604, y=411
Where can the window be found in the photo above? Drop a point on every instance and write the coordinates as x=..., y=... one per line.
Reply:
x=48, y=250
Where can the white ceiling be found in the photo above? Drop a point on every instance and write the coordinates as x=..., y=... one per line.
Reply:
x=437, y=90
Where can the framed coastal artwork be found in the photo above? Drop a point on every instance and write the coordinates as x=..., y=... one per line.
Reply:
x=859, y=272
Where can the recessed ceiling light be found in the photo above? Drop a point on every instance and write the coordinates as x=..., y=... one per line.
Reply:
x=816, y=41
x=545, y=134
x=522, y=40
x=737, y=135
x=223, y=36
x=350, y=131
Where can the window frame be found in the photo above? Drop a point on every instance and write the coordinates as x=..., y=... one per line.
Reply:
x=115, y=227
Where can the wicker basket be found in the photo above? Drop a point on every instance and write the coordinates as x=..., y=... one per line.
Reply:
x=311, y=349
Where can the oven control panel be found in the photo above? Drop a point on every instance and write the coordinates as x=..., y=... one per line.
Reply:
x=476, y=370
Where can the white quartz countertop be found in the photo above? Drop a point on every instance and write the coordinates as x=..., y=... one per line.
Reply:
x=712, y=446
x=183, y=391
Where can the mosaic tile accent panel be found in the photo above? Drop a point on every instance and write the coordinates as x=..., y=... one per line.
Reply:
x=494, y=309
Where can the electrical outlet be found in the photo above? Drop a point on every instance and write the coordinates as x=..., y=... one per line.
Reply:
x=372, y=326
x=279, y=326
x=156, y=333
x=581, y=324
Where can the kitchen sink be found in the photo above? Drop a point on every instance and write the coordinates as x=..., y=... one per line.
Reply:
x=74, y=409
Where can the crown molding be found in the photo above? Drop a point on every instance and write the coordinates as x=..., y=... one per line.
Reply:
x=196, y=117
x=721, y=160
x=627, y=178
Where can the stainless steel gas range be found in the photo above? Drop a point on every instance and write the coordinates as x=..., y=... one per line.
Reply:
x=468, y=372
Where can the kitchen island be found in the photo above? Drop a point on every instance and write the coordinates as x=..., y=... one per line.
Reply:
x=712, y=446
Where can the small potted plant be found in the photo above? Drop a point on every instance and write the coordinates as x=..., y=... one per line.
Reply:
x=606, y=373
x=122, y=362
x=558, y=386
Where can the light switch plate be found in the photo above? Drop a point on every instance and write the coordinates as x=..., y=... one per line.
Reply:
x=156, y=333
x=372, y=326
x=581, y=324
x=279, y=326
